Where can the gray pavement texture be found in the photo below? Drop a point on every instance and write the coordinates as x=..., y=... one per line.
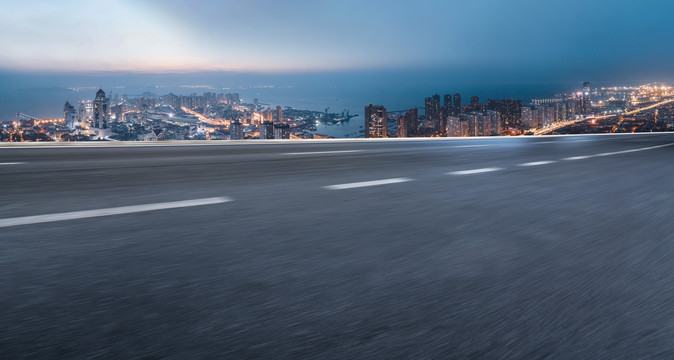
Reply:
x=568, y=260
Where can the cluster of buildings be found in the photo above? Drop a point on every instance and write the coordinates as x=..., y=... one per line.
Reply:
x=214, y=116
x=448, y=116
x=148, y=117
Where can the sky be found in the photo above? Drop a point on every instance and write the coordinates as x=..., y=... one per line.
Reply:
x=516, y=38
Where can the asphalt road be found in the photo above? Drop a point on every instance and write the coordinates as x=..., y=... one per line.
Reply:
x=503, y=248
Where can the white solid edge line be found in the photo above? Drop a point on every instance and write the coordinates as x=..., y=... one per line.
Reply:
x=26, y=220
x=536, y=163
x=474, y=171
x=13, y=163
x=367, y=183
x=322, y=152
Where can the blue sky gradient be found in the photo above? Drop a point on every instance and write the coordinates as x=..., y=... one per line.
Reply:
x=549, y=39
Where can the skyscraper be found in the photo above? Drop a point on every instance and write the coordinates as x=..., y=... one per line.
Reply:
x=495, y=122
x=434, y=114
x=412, y=121
x=268, y=115
x=278, y=116
x=453, y=126
x=475, y=103
x=281, y=131
x=375, y=121
x=528, y=117
x=236, y=130
x=101, y=116
x=401, y=126
x=85, y=112
x=457, y=104
x=449, y=108
x=511, y=113
x=586, y=86
x=586, y=101
x=267, y=130
x=69, y=115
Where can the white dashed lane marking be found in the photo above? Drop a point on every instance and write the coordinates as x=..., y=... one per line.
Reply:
x=473, y=171
x=323, y=152
x=367, y=183
x=536, y=163
x=578, y=157
x=27, y=220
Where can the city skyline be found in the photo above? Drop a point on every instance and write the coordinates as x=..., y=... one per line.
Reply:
x=226, y=116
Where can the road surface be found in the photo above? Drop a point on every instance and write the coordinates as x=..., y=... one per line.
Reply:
x=501, y=248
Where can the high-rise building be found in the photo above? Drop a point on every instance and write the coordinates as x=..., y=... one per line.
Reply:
x=268, y=115
x=236, y=130
x=473, y=121
x=101, y=119
x=586, y=86
x=561, y=110
x=464, y=129
x=586, y=101
x=453, y=126
x=267, y=130
x=401, y=126
x=511, y=113
x=449, y=108
x=69, y=115
x=233, y=99
x=540, y=116
x=548, y=115
x=457, y=104
x=278, y=116
x=475, y=103
x=494, y=122
x=434, y=114
x=528, y=117
x=375, y=121
x=570, y=109
x=281, y=131
x=101, y=115
x=483, y=124
x=85, y=113
x=412, y=121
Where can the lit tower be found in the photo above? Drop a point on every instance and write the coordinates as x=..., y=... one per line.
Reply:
x=101, y=116
x=375, y=121
x=449, y=109
x=278, y=116
x=457, y=104
x=433, y=113
x=412, y=121
x=475, y=103
x=69, y=115
x=236, y=130
x=401, y=126
x=586, y=98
